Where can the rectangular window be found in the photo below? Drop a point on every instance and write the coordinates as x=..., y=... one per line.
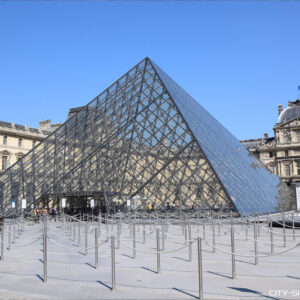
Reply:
x=33, y=144
x=298, y=136
x=287, y=170
x=285, y=137
x=286, y=153
x=270, y=154
x=20, y=142
x=5, y=140
x=298, y=167
x=4, y=162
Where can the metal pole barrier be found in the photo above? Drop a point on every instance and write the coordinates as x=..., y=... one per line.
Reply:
x=163, y=246
x=133, y=241
x=293, y=221
x=271, y=236
x=219, y=225
x=167, y=225
x=2, y=241
x=233, y=254
x=22, y=222
x=255, y=243
x=214, y=235
x=158, y=251
x=86, y=239
x=45, y=249
x=99, y=223
x=144, y=232
x=200, y=273
x=96, y=248
x=64, y=221
x=185, y=234
x=130, y=230
x=113, y=264
x=190, y=241
x=246, y=228
x=9, y=236
x=203, y=228
x=69, y=226
x=79, y=232
x=14, y=232
x=118, y=235
x=74, y=232
x=231, y=220
x=18, y=228
x=283, y=230
x=106, y=227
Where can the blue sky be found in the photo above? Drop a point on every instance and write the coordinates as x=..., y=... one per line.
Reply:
x=237, y=59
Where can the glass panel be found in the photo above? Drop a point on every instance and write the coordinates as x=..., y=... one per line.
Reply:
x=149, y=141
x=247, y=182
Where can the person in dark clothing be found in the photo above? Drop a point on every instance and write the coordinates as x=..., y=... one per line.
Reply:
x=53, y=214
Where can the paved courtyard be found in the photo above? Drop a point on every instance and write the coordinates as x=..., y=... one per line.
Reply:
x=72, y=274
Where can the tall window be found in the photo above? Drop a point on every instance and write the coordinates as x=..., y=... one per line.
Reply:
x=298, y=136
x=270, y=154
x=298, y=167
x=33, y=144
x=20, y=142
x=5, y=140
x=287, y=170
x=4, y=162
x=271, y=167
x=285, y=137
x=286, y=152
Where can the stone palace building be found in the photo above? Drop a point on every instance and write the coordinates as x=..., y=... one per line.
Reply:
x=16, y=140
x=281, y=153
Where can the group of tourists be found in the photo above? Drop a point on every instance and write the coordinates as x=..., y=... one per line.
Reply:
x=40, y=212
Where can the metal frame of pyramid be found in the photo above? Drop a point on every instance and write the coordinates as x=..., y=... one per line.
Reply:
x=143, y=138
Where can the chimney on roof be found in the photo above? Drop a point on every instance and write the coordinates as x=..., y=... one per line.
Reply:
x=280, y=109
x=266, y=136
x=55, y=126
x=74, y=111
x=27, y=127
x=45, y=125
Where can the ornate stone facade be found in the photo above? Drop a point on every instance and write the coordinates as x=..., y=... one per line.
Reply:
x=281, y=153
x=16, y=140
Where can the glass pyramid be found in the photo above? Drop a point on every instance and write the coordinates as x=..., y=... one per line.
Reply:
x=143, y=139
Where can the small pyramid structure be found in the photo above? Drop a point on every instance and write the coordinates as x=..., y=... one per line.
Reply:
x=147, y=140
